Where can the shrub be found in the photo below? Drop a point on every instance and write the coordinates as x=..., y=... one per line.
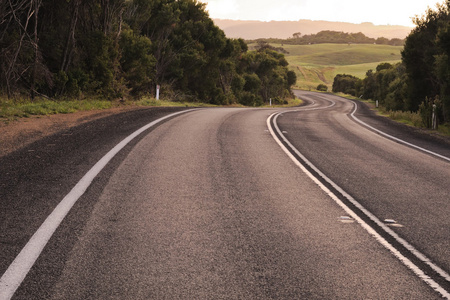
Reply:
x=322, y=87
x=250, y=99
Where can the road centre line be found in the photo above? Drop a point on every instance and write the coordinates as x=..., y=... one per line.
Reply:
x=304, y=163
x=19, y=268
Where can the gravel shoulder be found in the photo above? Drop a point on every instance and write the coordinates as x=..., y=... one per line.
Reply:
x=19, y=133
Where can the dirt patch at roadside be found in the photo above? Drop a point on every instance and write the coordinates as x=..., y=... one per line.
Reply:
x=19, y=133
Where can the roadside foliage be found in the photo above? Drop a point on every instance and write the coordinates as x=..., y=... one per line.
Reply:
x=123, y=49
x=421, y=81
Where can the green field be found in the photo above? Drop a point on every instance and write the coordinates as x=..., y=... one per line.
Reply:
x=320, y=63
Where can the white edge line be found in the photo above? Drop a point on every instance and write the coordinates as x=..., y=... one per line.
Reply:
x=314, y=106
x=367, y=227
x=393, y=137
x=19, y=268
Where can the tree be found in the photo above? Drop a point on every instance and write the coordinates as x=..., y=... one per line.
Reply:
x=382, y=41
x=119, y=48
x=322, y=87
x=387, y=85
x=369, y=85
x=137, y=62
x=19, y=44
x=443, y=69
x=297, y=35
x=347, y=84
x=419, y=55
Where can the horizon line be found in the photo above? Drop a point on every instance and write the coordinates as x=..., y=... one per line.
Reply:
x=263, y=21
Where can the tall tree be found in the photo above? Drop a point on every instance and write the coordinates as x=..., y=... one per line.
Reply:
x=15, y=37
x=419, y=55
x=443, y=68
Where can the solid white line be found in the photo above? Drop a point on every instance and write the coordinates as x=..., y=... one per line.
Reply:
x=393, y=137
x=366, y=226
x=315, y=106
x=22, y=264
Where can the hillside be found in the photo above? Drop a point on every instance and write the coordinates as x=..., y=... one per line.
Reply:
x=320, y=63
x=250, y=30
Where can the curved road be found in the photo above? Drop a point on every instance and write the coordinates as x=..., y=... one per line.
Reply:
x=207, y=205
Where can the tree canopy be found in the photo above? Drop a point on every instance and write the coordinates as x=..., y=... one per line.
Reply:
x=124, y=48
x=425, y=57
x=333, y=37
x=421, y=80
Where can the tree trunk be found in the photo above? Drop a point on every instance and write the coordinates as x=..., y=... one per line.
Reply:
x=70, y=43
x=12, y=63
x=37, y=4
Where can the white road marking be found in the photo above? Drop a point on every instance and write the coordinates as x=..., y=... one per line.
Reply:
x=366, y=226
x=315, y=106
x=393, y=137
x=22, y=264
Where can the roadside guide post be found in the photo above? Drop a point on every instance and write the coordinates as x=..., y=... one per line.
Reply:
x=157, y=91
x=434, y=117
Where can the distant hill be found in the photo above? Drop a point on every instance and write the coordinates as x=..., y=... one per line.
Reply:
x=320, y=63
x=250, y=30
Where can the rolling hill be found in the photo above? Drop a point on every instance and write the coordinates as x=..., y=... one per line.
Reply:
x=250, y=30
x=320, y=63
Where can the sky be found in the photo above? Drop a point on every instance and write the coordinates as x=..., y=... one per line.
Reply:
x=378, y=12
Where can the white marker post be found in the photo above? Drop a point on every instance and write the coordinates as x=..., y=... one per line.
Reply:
x=434, y=118
x=157, y=91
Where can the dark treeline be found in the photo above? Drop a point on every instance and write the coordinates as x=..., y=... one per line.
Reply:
x=124, y=48
x=421, y=80
x=333, y=37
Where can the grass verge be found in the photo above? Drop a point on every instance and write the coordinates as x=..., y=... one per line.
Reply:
x=11, y=110
x=291, y=103
x=406, y=117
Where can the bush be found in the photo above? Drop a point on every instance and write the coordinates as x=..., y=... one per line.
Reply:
x=346, y=84
x=322, y=87
x=249, y=99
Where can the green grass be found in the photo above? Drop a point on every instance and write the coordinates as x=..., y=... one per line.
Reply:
x=406, y=117
x=320, y=63
x=342, y=54
x=25, y=108
x=148, y=101
x=291, y=103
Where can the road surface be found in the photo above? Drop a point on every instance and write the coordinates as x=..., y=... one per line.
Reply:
x=208, y=205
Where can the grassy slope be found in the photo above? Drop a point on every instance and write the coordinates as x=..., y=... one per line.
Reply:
x=320, y=63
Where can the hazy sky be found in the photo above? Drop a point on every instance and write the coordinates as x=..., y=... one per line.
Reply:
x=379, y=12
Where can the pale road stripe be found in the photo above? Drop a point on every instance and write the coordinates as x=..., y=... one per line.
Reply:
x=22, y=264
x=393, y=137
x=366, y=226
x=315, y=106
x=418, y=254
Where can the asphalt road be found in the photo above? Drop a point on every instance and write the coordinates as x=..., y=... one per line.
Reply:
x=207, y=205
